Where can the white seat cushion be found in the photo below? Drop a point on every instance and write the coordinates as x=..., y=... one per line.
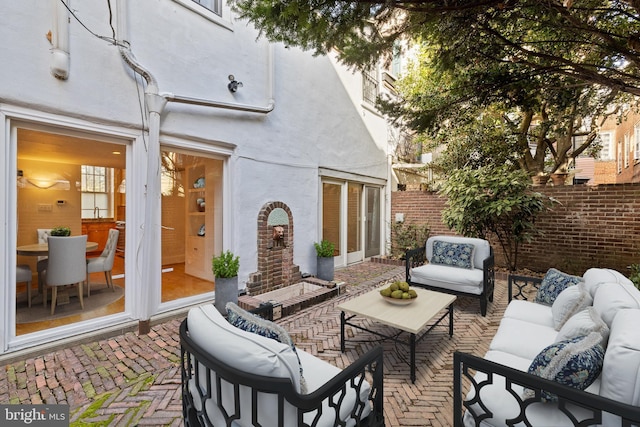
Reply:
x=505, y=406
x=530, y=312
x=522, y=338
x=458, y=279
x=317, y=373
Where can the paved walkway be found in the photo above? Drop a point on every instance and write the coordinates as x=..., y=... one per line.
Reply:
x=133, y=380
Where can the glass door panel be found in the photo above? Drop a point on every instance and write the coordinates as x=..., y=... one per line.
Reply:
x=354, y=222
x=331, y=213
x=372, y=236
x=191, y=188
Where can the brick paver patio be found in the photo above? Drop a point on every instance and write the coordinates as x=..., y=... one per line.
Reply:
x=133, y=380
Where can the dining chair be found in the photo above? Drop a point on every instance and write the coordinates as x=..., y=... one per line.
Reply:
x=23, y=274
x=41, y=266
x=67, y=266
x=105, y=261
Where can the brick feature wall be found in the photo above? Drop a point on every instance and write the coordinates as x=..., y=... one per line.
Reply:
x=275, y=256
x=592, y=226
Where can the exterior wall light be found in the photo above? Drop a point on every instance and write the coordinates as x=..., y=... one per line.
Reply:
x=233, y=84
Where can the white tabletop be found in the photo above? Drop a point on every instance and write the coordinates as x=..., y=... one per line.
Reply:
x=411, y=318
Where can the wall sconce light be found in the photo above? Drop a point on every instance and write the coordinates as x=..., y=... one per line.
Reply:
x=233, y=84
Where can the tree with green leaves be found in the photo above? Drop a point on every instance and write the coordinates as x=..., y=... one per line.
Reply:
x=594, y=41
x=493, y=201
x=548, y=68
x=494, y=112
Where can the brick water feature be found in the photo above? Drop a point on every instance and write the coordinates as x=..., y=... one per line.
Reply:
x=276, y=270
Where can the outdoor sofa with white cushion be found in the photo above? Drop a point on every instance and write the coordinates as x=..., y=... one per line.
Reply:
x=571, y=358
x=233, y=377
x=456, y=265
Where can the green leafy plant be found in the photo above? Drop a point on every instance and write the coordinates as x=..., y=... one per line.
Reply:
x=60, y=231
x=635, y=274
x=325, y=248
x=494, y=201
x=407, y=236
x=226, y=265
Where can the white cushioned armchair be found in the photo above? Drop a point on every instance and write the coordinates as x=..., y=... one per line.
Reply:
x=456, y=265
x=234, y=377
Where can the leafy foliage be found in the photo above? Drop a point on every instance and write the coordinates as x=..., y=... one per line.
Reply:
x=593, y=41
x=60, y=231
x=407, y=236
x=226, y=265
x=324, y=249
x=635, y=275
x=493, y=201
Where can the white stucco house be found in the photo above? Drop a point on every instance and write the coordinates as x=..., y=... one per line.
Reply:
x=174, y=123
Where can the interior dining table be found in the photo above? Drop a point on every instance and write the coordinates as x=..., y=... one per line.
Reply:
x=42, y=249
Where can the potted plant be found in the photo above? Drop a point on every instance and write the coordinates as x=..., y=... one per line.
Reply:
x=225, y=269
x=325, y=251
x=60, y=231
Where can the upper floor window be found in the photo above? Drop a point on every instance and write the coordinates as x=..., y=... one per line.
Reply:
x=370, y=86
x=213, y=5
x=626, y=150
x=606, y=140
x=619, y=157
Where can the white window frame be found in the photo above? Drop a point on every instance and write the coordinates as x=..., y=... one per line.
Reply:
x=223, y=18
x=619, y=157
x=626, y=150
x=606, y=138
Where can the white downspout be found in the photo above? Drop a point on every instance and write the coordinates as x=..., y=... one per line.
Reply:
x=149, y=265
x=60, y=58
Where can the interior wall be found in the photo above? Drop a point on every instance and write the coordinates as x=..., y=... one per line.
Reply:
x=39, y=208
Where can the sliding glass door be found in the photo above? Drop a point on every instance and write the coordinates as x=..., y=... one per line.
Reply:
x=351, y=213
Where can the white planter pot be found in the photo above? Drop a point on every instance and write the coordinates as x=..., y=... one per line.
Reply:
x=226, y=290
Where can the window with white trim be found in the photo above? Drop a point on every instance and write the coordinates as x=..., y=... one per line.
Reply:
x=214, y=6
x=619, y=157
x=96, y=188
x=626, y=150
x=606, y=140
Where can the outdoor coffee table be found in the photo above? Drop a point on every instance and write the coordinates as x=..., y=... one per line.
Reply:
x=413, y=318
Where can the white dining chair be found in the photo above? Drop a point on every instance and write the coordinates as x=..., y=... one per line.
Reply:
x=67, y=266
x=23, y=275
x=105, y=261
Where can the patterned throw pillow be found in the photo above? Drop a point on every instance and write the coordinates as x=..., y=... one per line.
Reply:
x=249, y=322
x=576, y=362
x=553, y=283
x=453, y=254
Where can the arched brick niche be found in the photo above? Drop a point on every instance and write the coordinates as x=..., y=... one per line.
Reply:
x=275, y=250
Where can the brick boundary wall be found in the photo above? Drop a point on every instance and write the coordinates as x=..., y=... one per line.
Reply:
x=593, y=226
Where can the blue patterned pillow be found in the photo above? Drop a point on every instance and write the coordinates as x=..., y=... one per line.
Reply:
x=249, y=322
x=553, y=283
x=453, y=254
x=575, y=362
